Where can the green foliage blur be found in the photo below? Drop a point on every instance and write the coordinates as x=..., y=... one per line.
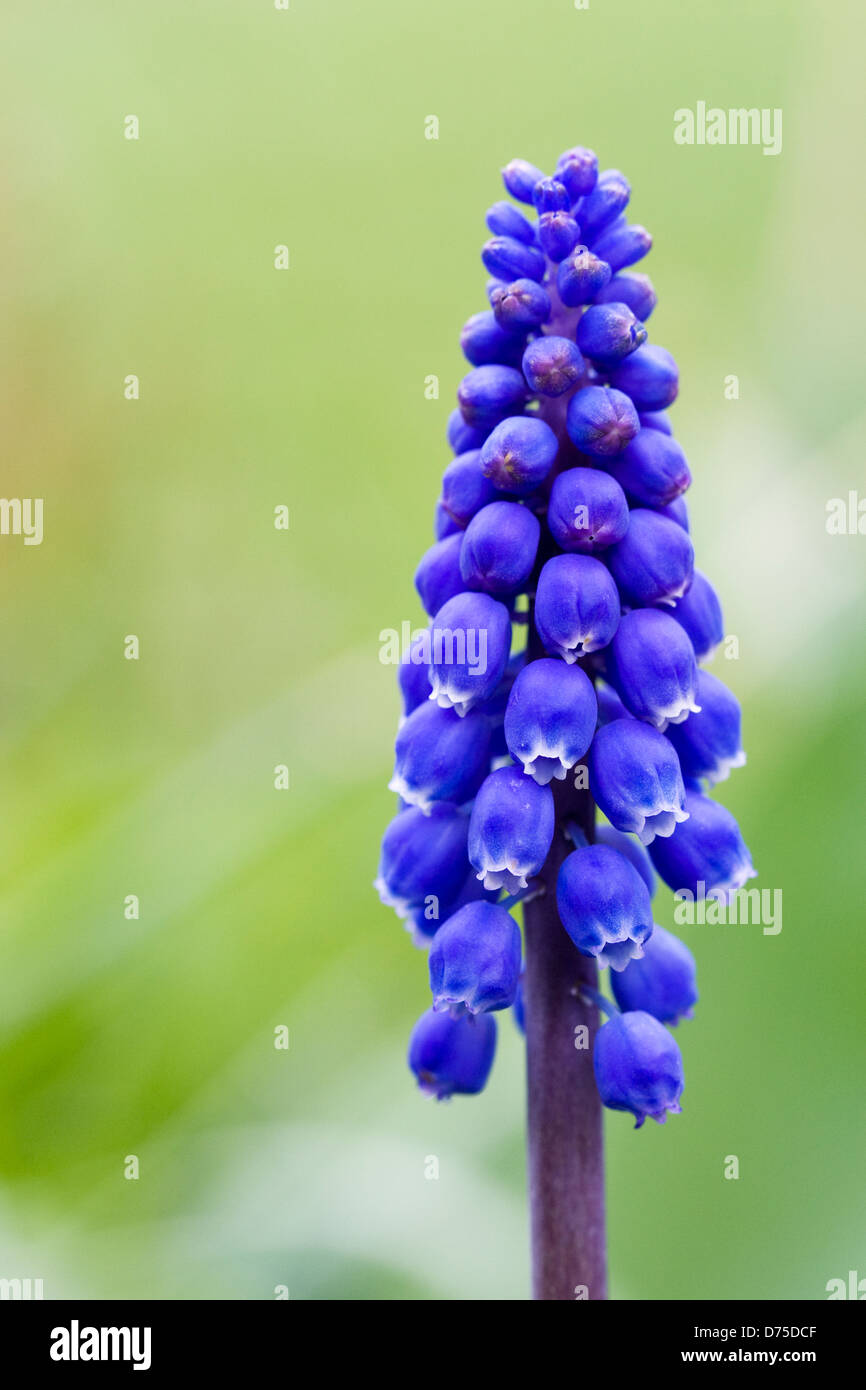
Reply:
x=305, y=1168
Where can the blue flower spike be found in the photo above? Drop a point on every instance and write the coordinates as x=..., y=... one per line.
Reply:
x=555, y=689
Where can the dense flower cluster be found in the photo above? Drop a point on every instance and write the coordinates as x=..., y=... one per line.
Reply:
x=561, y=520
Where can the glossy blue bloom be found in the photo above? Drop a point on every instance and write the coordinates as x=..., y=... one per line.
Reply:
x=424, y=922
x=605, y=203
x=558, y=234
x=700, y=613
x=552, y=365
x=622, y=244
x=465, y=490
x=520, y=178
x=609, y=332
x=638, y=1067
x=506, y=258
x=475, y=960
x=706, y=856
x=413, y=674
x=601, y=422
x=422, y=857
x=452, y=1056
x=634, y=853
x=604, y=905
x=663, y=983
x=655, y=560
x=634, y=290
x=444, y=524
x=652, y=665
x=503, y=219
x=470, y=642
x=652, y=469
x=580, y=277
x=635, y=779
x=438, y=576
x=488, y=394
x=577, y=606
x=498, y=548
x=577, y=169
x=549, y=195
x=463, y=437
x=550, y=719
x=484, y=340
x=587, y=510
x=440, y=757
x=649, y=376
x=510, y=829
x=708, y=744
x=519, y=454
x=520, y=305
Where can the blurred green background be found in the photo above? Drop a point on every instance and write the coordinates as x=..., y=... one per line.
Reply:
x=258, y=647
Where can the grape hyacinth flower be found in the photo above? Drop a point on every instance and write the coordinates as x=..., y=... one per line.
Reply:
x=558, y=676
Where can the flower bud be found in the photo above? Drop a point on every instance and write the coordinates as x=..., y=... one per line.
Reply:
x=638, y=1067
x=577, y=170
x=520, y=178
x=503, y=219
x=519, y=454
x=465, y=490
x=440, y=757
x=708, y=743
x=580, y=277
x=656, y=420
x=609, y=332
x=506, y=258
x=622, y=243
x=610, y=706
x=484, y=341
x=678, y=512
x=443, y=524
x=549, y=195
x=550, y=718
x=652, y=666
x=520, y=305
x=605, y=203
x=422, y=857
x=604, y=905
x=510, y=829
x=462, y=437
x=649, y=376
x=706, y=856
x=600, y=421
x=475, y=960
x=413, y=673
x=558, y=234
x=662, y=983
x=452, y=1056
x=577, y=606
x=438, y=577
x=654, y=562
x=652, y=469
x=470, y=642
x=587, y=510
x=552, y=365
x=488, y=394
x=634, y=290
x=700, y=613
x=635, y=779
x=498, y=548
